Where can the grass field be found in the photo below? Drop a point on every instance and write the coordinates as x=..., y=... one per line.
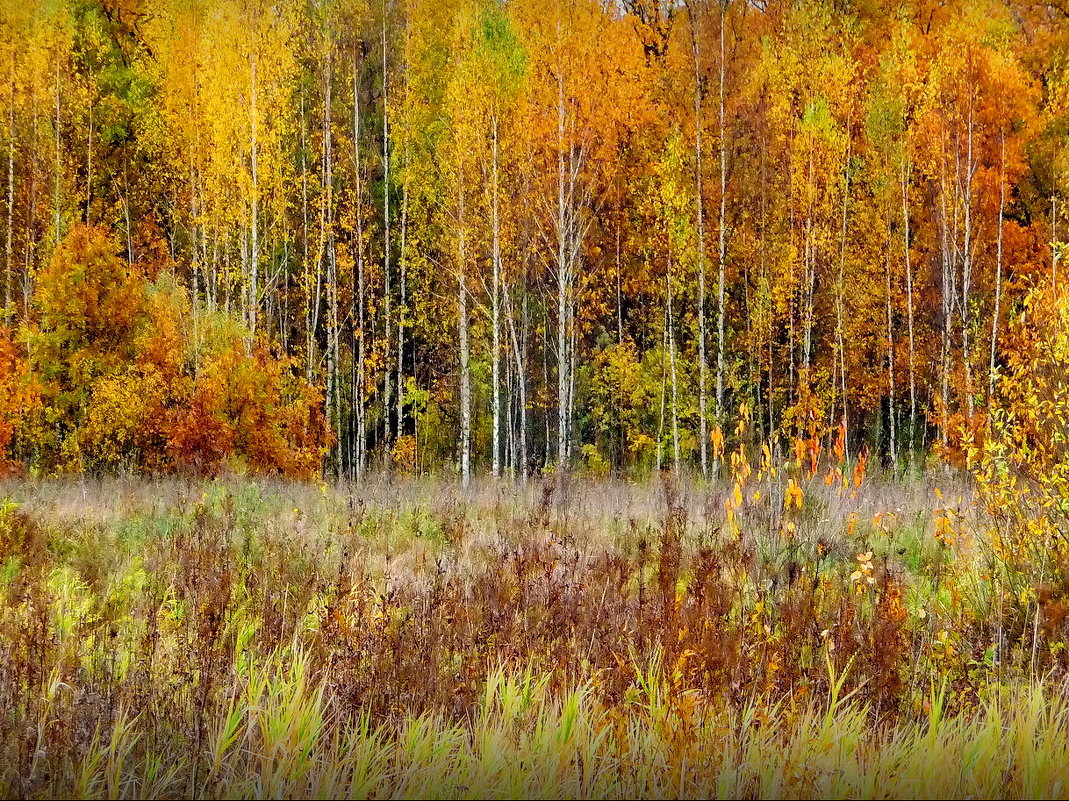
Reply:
x=559, y=638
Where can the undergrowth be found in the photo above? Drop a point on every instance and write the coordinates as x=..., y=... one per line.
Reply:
x=238, y=638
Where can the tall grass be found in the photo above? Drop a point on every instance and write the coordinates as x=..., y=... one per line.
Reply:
x=232, y=638
x=280, y=739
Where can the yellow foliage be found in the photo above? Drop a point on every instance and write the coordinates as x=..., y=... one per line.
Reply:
x=793, y=496
x=1022, y=466
x=403, y=454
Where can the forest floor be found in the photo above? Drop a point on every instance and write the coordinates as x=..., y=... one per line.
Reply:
x=598, y=638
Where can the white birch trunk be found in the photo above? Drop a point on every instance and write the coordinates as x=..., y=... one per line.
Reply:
x=699, y=202
x=254, y=290
x=998, y=271
x=909, y=308
x=495, y=294
x=465, y=370
x=720, y=306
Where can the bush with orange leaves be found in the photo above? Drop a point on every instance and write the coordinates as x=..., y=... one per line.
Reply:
x=251, y=405
x=127, y=378
x=18, y=398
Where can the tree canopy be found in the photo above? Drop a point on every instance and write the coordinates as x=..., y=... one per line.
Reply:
x=478, y=235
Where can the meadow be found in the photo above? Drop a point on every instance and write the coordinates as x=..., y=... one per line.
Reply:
x=564, y=637
x=524, y=398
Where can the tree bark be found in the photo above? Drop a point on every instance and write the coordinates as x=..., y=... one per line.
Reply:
x=333, y=348
x=521, y=387
x=386, y=226
x=59, y=220
x=402, y=310
x=465, y=370
x=361, y=354
x=947, y=306
x=254, y=290
x=9, y=244
x=563, y=286
x=909, y=308
x=675, y=380
x=998, y=270
x=720, y=306
x=309, y=327
x=495, y=294
x=890, y=353
x=966, y=285
x=839, y=300
x=699, y=202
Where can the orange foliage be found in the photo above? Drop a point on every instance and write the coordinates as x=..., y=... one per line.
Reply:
x=18, y=396
x=119, y=364
x=200, y=437
x=257, y=410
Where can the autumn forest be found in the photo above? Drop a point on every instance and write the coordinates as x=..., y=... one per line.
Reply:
x=534, y=398
x=495, y=237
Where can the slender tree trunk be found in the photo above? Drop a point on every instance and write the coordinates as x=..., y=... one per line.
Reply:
x=31, y=215
x=839, y=304
x=546, y=415
x=890, y=353
x=699, y=202
x=205, y=259
x=770, y=392
x=998, y=270
x=198, y=224
x=966, y=285
x=664, y=385
x=524, y=347
x=324, y=244
x=909, y=308
x=520, y=339
x=621, y=433
x=521, y=388
x=573, y=371
x=335, y=359
x=508, y=429
x=333, y=348
x=720, y=305
x=672, y=364
x=840, y=289
x=947, y=309
x=465, y=371
x=386, y=222
x=810, y=279
x=59, y=220
x=402, y=308
x=130, y=239
x=563, y=286
x=619, y=293
x=792, y=383
x=213, y=300
x=89, y=166
x=284, y=310
x=402, y=311
x=254, y=289
x=309, y=325
x=1053, y=240
x=361, y=355
x=9, y=244
x=495, y=295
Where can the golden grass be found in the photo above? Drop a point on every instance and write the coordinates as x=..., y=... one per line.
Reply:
x=280, y=738
x=238, y=639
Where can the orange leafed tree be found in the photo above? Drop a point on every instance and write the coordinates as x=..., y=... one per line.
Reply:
x=116, y=359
